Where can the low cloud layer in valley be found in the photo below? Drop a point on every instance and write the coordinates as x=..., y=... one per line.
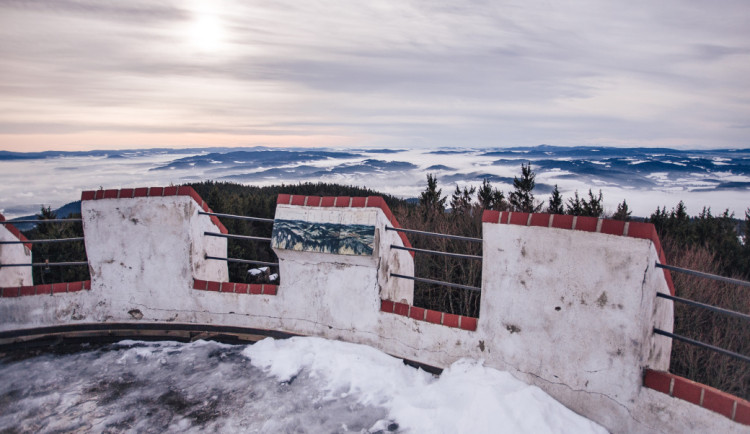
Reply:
x=646, y=178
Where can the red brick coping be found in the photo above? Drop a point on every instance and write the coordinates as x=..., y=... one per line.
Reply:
x=49, y=289
x=433, y=316
x=16, y=233
x=736, y=409
x=344, y=202
x=131, y=193
x=235, y=288
x=418, y=313
x=646, y=231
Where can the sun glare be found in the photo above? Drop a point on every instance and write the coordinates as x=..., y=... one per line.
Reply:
x=206, y=32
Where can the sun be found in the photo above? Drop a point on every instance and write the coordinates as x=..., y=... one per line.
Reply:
x=206, y=32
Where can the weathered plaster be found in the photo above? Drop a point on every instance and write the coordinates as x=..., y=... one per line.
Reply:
x=569, y=311
x=14, y=254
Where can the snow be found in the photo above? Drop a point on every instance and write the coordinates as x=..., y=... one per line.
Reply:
x=294, y=385
x=467, y=397
x=257, y=271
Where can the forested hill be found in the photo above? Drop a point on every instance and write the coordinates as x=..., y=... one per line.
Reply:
x=255, y=201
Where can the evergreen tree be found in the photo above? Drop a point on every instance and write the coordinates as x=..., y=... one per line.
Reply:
x=522, y=198
x=593, y=207
x=461, y=201
x=456, y=199
x=717, y=234
x=555, y=205
x=680, y=213
x=484, y=195
x=659, y=218
x=67, y=252
x=430, y=200
x=744, y=261
x=622, y=213
x=575, y=205
x=499, y=202
x=489, y=197
x=587, y=208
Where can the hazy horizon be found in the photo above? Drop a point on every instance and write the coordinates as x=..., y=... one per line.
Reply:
x=646, y=178
x=239, y=147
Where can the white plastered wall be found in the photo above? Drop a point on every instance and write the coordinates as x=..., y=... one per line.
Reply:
x=145, y=252
x=14, y=254
x=368, y=271
x=574, y=313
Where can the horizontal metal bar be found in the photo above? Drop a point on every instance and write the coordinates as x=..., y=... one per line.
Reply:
x=435, y=252
x=236, y=237
x=45, y=264
x=742, y=357
x=704, y=306
x=437, y=282
x=58, y=240
x=9, y=222
x=237, y=217
x=244, y=261
x=116, y=329
x=434, y=234
x=702, y=274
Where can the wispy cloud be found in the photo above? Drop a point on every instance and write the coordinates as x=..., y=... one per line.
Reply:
x=404, y=73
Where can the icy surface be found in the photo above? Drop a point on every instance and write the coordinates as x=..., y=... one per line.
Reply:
x=296, y=385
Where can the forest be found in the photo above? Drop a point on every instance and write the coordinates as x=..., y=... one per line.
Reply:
x=705, y=242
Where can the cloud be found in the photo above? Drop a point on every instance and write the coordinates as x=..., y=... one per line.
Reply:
x=646, y=178
x=139, y=11
x=391, y=73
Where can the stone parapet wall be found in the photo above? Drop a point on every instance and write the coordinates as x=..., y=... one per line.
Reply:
x=14, y=254
x=567, y=304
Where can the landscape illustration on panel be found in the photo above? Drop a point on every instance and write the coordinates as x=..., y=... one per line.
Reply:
x=336, y=238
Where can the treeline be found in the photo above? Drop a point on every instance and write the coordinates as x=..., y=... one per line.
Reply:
x=231, y=198
x=717, y=245
x=71, y=251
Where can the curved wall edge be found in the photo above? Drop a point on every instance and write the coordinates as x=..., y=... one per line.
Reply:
x=570, y=311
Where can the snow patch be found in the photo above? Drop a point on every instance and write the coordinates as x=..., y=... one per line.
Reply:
x=467, y=397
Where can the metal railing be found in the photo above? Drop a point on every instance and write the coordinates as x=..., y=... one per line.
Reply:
x=244, y=261
x=237, y=217
x=712, y=308
x=437, y=282
x=45, y=264
x=685, y=339
x=702, y=274
x=239, y=238
x=436, y=252
x=9, y=222
x=236, y=237
x=434, y=234
x=45, y=241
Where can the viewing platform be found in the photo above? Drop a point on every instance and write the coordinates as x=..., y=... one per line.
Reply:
x=579, y=306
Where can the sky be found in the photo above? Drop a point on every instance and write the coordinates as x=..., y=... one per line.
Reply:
x=80, y=75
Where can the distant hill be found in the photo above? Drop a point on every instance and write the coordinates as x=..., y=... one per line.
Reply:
x=62, y=212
